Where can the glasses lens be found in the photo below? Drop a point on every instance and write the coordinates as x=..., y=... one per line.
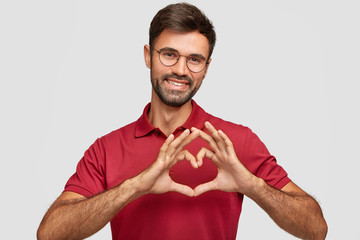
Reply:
x=196, y=63
x=169, y=57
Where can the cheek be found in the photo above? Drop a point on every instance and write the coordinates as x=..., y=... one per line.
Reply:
x=157, y=69
x=198, y=79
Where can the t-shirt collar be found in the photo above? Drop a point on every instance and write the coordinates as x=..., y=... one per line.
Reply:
x=196, y=119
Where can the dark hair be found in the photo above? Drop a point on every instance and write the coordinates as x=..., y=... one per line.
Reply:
x=182, y=17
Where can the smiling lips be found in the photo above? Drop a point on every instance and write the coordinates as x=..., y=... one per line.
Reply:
x=174, y=83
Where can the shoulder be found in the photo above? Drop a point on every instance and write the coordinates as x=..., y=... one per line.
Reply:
x=125, y=132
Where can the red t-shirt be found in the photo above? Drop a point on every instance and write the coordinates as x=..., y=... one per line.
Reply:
x=129, y=150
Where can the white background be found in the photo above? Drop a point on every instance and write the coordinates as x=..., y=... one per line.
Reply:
x=72, y=71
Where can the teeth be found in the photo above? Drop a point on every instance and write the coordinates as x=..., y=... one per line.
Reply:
x=176, y=83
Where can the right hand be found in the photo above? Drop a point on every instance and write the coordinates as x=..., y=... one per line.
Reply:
x=156, y=178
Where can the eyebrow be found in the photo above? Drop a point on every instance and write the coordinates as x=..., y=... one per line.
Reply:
x=192, y=54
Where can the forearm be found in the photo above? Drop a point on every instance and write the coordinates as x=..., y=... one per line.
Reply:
x=81, y=218
x=297, y=213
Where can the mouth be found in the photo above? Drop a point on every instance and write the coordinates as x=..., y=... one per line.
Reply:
x=176, y=84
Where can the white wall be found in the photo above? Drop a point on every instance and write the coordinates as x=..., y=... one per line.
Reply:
x=72, y=71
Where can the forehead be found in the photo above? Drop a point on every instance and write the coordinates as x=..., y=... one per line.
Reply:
x=186, y=43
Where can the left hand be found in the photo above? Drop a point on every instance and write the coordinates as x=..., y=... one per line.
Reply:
x=232, y=175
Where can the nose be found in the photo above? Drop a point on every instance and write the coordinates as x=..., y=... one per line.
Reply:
x=180, y=68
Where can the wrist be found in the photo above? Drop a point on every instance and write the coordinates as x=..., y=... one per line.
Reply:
x=133, y=187
x=255, y=188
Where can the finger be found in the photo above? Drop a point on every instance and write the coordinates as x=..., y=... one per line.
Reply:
x=213, y=131
x=185, y=154
x=204, y=152
x=177, y=141
x=215, y=135
x=227, y=141
x=205, y=187
x=193, y=135
x=183, y=189
x=173, y=150
x=167, y=143
x=210, y=140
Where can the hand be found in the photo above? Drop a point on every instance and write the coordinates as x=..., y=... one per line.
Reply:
x=232, y=175
x=156, y=178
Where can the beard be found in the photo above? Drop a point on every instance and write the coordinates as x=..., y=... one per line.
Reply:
x=173, y=98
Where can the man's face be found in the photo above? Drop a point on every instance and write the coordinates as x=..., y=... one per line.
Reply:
x=176, y=85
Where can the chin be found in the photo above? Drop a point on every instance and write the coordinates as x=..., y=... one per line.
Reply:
x=174, y=103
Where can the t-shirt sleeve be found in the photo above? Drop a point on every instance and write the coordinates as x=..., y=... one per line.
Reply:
x=261, y=163
x=89, y=178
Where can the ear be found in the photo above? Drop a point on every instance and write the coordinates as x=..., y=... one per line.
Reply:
x=147, y=56
x=206, y=68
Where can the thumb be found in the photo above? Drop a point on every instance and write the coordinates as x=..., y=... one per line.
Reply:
x=183, y=189
x=205, y=187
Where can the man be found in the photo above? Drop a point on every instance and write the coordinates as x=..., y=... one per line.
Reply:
x=136, y=178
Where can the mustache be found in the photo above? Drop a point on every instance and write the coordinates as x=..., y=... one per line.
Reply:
x=177, y=77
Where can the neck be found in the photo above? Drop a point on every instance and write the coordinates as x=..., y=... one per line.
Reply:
x=167, y=118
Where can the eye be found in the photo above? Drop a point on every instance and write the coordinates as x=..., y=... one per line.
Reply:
x=195, y=60
x=169, y=54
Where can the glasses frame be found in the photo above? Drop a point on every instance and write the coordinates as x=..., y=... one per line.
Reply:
x=177, y=60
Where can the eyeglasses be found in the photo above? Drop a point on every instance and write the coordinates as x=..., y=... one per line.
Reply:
x=169, y=57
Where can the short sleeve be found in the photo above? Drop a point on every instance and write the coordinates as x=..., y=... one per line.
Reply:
x=261, y=163
x=89, y=178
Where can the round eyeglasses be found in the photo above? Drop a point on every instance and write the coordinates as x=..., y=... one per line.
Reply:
x=169, y=57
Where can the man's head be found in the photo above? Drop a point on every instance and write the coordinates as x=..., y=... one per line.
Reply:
x=181, y=42
x=182, y=17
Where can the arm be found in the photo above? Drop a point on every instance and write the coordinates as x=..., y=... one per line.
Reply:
x=291, y=208
x=73, y=216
